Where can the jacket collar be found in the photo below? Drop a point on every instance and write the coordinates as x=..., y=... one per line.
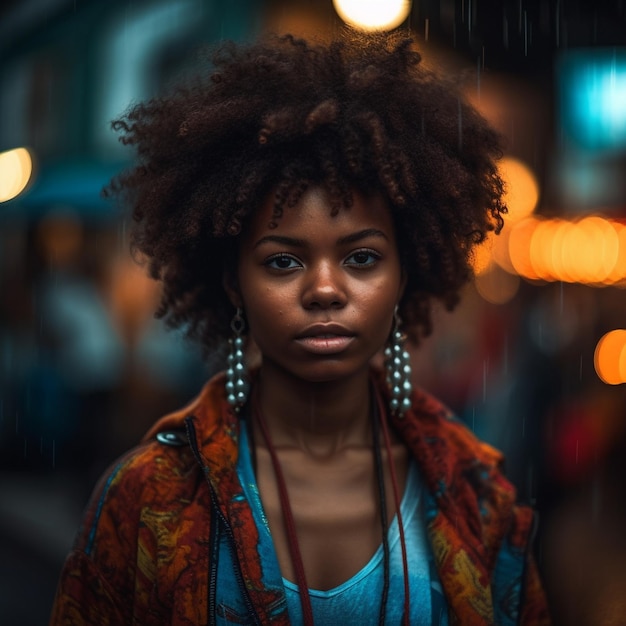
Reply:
x=214, y=431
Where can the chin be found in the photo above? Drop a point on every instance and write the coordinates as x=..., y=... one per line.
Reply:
x=329, y=371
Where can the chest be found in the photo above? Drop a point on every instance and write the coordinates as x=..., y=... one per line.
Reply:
x=337, y=509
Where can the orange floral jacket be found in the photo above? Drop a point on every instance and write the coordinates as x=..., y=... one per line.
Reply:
x=147, y=550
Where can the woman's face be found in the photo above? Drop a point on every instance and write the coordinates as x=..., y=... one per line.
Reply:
x=319, y=291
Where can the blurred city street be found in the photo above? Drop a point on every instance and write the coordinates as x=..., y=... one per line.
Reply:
x=533, y=360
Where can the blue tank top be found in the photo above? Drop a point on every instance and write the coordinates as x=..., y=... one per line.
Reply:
x=358, y=599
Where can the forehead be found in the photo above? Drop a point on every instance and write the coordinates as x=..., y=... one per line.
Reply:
x=313, y=214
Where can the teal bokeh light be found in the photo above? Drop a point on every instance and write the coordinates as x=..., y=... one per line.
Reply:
x=592, y=99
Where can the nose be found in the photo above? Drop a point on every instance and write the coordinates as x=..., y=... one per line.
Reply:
x=325, y=288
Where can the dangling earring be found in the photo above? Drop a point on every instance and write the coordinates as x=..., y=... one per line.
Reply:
x=237, y=385
x=398, y=366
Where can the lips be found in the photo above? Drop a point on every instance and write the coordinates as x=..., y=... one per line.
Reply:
x=325, y=338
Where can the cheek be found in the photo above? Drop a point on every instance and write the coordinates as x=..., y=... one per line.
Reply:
x=267, y=309
x=382, y=296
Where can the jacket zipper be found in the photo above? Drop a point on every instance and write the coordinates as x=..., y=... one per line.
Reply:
x=214, y=542
x=193, y=443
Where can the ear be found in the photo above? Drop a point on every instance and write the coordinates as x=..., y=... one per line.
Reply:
x=231, y=287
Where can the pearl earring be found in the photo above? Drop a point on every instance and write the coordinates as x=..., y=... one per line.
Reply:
x=398, y=366
x=237, y=385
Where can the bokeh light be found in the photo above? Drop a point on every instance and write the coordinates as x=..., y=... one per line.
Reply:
x=482, y=255
x=373, y=14
x=522, y=189
x=618, y=273
x=610, y=357
x=519, y=247
x=521, y=197
x=497, y=286
x=541, y=250
x=60, y=235
x=590, y=251
x=16, y=168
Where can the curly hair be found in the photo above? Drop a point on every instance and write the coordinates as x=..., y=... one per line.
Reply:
x=282, y=114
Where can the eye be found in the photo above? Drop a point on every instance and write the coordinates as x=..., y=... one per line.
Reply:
x=363, y=258
x=282, y=262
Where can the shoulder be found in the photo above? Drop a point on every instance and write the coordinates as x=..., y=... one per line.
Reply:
x=160, y=477
x=128, y=532
x=431, y=425
x=153, y=475
x=463, y=474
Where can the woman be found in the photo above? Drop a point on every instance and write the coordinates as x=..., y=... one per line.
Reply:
x=311, y=201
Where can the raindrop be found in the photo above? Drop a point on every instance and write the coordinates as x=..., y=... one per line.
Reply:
x=53, y=454
x=426, y=27
x=505, y=32
x=525, y=34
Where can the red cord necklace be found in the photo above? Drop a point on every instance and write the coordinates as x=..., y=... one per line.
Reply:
x=378, y=410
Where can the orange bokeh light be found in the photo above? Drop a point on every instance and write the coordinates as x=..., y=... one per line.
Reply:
x=541, y=249
x=618, y=273
x=496, y=285
x=519, y=247
x=609, y=358
x=522, y=189
x=591, y=251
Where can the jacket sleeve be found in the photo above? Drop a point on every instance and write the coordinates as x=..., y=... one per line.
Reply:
x=140, y=556
x=97, y=586
x=84, y=596
x=533, y=606
x=518, y=596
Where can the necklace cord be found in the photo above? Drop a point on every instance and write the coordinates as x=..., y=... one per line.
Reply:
x=290, y=526
x=383, y=507
x=396, y=495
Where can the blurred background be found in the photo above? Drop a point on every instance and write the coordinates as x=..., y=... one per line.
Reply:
x=534, y=360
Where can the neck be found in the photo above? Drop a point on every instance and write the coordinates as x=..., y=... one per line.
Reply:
x=319, y=418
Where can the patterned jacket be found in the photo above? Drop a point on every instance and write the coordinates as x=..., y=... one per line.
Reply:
x=148, y=548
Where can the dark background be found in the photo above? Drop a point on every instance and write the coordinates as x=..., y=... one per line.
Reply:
x=85, y=369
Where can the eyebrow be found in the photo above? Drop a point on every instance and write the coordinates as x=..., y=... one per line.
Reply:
x=363, y=234
x=294, y=242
